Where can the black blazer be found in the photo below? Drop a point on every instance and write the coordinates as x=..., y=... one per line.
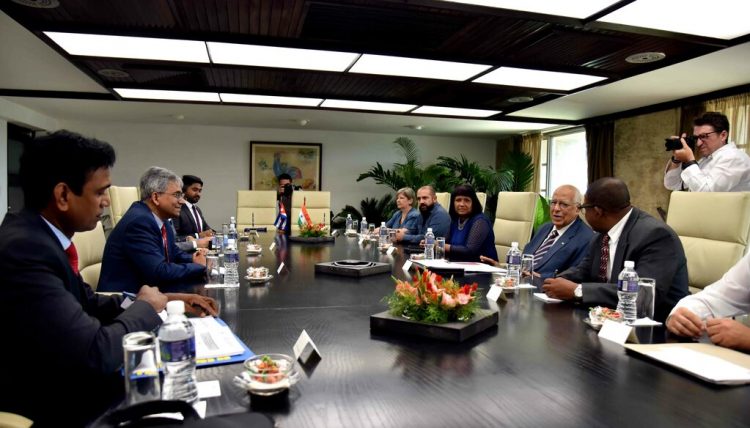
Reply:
x=58, y=332
x=185, y=223
x=657, y=253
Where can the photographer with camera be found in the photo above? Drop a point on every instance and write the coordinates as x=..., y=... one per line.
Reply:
x=722, y=168
x=286, y=188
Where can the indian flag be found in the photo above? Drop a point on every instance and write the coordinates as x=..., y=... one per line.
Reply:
x=304, y=217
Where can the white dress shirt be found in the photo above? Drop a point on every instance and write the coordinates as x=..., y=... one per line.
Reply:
x=614, y=237
x=193, y=214
x=725, y=170
x=726, y=297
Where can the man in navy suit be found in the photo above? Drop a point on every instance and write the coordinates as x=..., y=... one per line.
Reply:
x=562, y=243
x=191, y=225
x=141, y=248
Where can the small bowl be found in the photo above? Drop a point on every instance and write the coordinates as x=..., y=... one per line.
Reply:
x=258, y=379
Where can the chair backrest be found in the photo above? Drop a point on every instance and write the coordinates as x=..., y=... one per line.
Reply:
x=120, y=200
x=514, y=220
x=714, y=228
x=90, y=248
x=12, y=420
x=482, y=199
x=444, y=199
x=258, y=204
x=318, y=204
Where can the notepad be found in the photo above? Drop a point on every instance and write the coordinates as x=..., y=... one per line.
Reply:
x=213, y=340
x=545, y=298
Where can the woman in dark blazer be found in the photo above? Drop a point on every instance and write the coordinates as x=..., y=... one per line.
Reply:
x=470, y=234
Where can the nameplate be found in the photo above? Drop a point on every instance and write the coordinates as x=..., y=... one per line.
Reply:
x=494, y=294
x=272, y=246
x=615, y=331
x=390, y=250
x=406, y=266
x=361, y=240
x=335, y=233
x=304, y=348
x=281, y=266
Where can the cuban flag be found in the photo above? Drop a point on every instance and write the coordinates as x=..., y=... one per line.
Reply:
x=304, y=217
x=280, y=222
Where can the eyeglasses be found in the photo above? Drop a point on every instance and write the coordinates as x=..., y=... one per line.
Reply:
x=584, y=206
x=177, y=195
x=705, y=135
x=561, y=204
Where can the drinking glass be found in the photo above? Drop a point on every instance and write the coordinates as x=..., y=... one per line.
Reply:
x=212, y=268
x=141, y=373
x=392, y=235
x=355, y=225
x=527, y=268
x=646, y=298
x=371, y=229
x=439, y=248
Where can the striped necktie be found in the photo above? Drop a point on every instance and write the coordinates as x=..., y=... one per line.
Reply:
x=604, y=262
x=198, y=222
x=546, y=245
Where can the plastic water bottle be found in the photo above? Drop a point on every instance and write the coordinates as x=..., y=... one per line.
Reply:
x=232, y=234
x=429, y=245
x=177, y=346
x=348, y=222
x=627, y=292
x=363, y=227
x=383, y=234
x=224, y=236
x=231, y=263
x=513, y=260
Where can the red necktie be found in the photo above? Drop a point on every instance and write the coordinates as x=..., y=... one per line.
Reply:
x=197, y=220
x=72, y=254
x=604, y=260
x=164, y=240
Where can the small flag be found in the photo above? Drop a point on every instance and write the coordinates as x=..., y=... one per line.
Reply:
x=304, y=217
x=280, y=222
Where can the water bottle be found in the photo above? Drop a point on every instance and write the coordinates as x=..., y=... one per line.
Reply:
x=348, y=222
x=224, y=236
x=627, y=292
x=363, y=227
x=513, y=260
x=429, y=245
x=232, y=234
x=383, y=241
x=231, y=263
x=177, y=346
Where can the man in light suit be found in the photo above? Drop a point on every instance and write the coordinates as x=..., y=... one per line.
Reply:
x=625, y=233
x=141, y=248
x=191, y=225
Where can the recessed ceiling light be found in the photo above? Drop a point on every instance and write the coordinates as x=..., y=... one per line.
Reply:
x=113, y=73
x=680, y=16
x=39, y=4
x=151, y=94
x=450, y=111
x=270, y=56
x=130, y=47
x=415, y=67
x=645, y=57
x=510, y=76
x=520, y=99
x=572, y=8
x=267, y=99
x=366, y=105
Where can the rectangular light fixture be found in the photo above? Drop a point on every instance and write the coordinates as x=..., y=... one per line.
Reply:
x=130, y=47
x=366, y=105
x=570, y=8
x=270, y=56
x=450, y=111
x=152, y=94
x=720, y=19
x=527, y=78
x=414, y=67
x=267, y=99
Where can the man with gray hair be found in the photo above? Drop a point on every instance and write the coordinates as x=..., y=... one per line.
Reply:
x=141, y=248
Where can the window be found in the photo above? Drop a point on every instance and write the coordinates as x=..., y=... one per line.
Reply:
x=563, y=161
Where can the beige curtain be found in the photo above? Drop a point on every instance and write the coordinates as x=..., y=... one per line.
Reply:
x=532, y=145
x=737, y=110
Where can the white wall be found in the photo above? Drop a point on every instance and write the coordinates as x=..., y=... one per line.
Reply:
x=221, y=157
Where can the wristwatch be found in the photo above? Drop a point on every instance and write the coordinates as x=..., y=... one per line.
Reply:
x=578, y=292
x=685, y=165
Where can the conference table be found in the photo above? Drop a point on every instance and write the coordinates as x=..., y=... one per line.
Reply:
x=540, y=366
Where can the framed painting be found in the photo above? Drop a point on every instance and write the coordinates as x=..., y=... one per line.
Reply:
x=300, y=160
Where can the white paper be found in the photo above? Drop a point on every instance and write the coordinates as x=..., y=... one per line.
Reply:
x=199, y=406
x=525, y=286
x=361, y=240
x=645, y=322
x=702, y=365
x=235, y=285
x=406, y=266
x=390, y=250
x=208, y=389
x=466, y=266
x=214, y=340
x=272, y=246
x=615, y=331
x=494, y=293
x=126, y=303
x=545, y=298
x=304, y=341
x=281, y=266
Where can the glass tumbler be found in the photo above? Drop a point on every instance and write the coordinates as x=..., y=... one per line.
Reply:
x=141, y=372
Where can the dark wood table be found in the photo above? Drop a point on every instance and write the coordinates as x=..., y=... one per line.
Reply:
x=541, y=365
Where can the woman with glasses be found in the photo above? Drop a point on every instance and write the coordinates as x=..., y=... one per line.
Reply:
x=470, y=234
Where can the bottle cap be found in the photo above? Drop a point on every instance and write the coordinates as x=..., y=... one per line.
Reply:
x=175, y=307
x=382, y=224
x=629, y=264
x=514, y=244
x=429, y=230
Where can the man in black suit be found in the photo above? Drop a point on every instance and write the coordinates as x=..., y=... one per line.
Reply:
x=625, y=233
x=191, y=225
x=59, y=334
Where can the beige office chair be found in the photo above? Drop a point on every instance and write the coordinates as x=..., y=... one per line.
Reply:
x=514, y=220
x=482, y=199
x=12, y=420
x=90, y=247
x=120, y=199
x=258, y=205
x=443, y=198
x=714, y=228
x=318, y=207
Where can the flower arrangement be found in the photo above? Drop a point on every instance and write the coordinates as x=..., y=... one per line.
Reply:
x=431, y=298
x=309, y=230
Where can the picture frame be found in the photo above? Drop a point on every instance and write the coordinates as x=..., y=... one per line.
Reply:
x=268, y=159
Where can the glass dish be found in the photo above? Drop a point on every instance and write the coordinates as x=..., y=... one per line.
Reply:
x=268, y=374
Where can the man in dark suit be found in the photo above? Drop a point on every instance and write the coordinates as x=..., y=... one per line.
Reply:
x=58, y=332
x=191, y=225
x=625, y=233
x=141, y=248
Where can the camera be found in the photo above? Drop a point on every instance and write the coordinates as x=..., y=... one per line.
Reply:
x=675, y=144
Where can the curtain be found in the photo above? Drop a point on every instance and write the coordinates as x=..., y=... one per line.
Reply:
x=600, y=148
x=687, y=114
x=532, y=145
x=737, y=110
